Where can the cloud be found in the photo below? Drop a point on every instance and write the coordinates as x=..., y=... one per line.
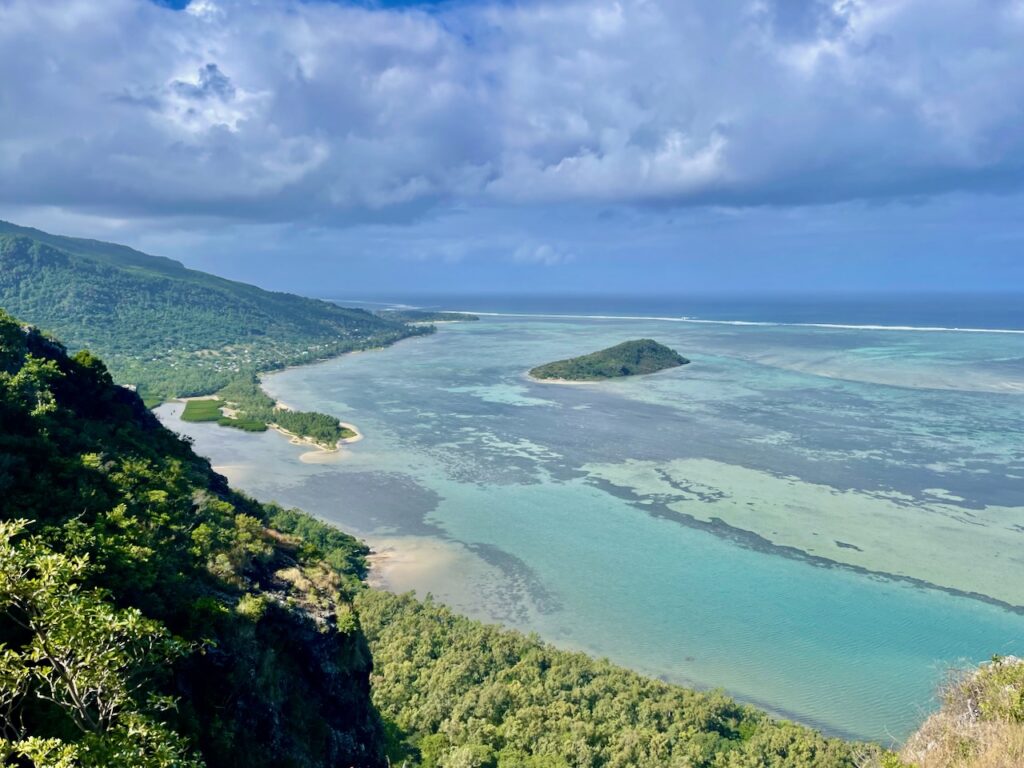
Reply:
x=544, y=254
x=210, y=83
x=335, y=113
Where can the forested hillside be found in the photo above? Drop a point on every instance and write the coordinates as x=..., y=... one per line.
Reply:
x=149, y=616
x=167, y=329
x=465, y=694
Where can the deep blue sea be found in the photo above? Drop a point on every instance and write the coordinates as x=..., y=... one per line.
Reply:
x=822, y=513
x=986, y=311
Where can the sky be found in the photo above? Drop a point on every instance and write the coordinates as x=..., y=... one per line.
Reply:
x=376, y=148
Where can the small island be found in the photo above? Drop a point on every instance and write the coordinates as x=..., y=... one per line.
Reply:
x=242, y=404
x=630, y=358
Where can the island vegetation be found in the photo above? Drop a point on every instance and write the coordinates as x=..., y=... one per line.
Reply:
x=249, y=404
x=152, y=617
x=242, y=404
x=630, y=358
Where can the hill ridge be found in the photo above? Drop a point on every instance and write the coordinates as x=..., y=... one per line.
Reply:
x=168, y=329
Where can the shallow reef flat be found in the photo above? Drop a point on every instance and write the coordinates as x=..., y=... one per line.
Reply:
x=890, y=533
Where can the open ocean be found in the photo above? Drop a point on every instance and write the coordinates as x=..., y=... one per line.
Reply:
x=821, y=514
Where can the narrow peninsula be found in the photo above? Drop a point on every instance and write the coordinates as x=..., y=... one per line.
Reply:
x=421, y=316
x=630, y=358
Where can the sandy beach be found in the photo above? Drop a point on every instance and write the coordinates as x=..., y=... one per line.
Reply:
x=299, y=440
x=584, y=382
x=404, y=563
x=424, y=565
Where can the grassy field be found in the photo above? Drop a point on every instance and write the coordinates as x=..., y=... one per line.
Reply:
x=203, y=410
x=249, y=425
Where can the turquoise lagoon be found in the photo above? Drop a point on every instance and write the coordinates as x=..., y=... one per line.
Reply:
x=821, y=521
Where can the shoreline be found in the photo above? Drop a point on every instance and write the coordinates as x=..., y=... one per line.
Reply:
x=400, y=563
x=316, y=361
x=297, y=439
x=573, y=382
x=293, y=438
x=577, y=382
x=741, y=323
x=408, y=563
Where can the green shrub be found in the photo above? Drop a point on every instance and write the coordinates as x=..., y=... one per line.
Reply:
x=998, y=689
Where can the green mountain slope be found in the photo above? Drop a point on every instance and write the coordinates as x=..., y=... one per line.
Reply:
x=149, y=616
x=165, y=328
x=630, y=358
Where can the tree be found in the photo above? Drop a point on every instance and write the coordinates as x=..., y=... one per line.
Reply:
x=79, y=653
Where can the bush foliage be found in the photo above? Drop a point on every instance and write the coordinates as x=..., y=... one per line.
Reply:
x=254, y=406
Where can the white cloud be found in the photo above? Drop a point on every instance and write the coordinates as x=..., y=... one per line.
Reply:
x=204, y=9
x=290, y=110
x=541, y=253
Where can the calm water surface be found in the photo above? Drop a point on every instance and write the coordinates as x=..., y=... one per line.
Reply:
x=795, y=516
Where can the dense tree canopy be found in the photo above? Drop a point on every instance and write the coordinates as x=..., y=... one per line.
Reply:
x=254, y=407
x=475, y=696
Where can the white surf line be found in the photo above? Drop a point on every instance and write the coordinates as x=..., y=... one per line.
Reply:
x=390, y=304
x=836, y=326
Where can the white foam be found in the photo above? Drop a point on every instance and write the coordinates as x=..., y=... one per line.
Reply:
x=684, y=319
